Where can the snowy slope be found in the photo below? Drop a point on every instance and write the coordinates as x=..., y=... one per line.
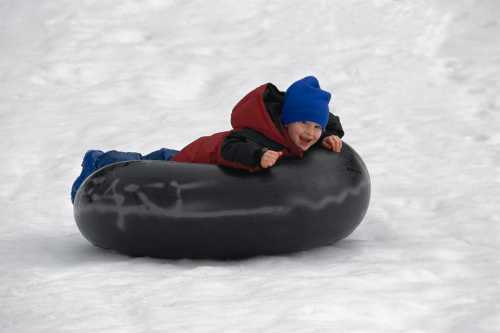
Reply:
x=415, y=84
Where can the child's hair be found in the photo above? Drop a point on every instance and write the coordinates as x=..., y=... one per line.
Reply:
x=306, y=101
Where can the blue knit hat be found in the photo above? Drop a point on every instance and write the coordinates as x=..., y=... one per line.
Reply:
x=305, y=101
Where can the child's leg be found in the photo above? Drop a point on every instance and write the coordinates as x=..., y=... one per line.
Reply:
x=96, y=159
x=113, y=156
x=88, y=166
x=162, y=154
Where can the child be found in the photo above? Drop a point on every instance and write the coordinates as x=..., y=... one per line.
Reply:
x=267, y=125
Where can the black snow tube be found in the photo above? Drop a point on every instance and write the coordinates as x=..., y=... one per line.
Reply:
x=184, y=210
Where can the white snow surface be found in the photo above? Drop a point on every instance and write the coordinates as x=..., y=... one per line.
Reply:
x=416, y=86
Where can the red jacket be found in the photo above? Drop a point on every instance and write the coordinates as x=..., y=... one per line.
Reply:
x=250, y=112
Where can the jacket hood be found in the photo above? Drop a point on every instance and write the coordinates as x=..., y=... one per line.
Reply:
x=251, y=112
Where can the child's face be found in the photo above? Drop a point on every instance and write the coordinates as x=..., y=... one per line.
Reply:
x=304, y=133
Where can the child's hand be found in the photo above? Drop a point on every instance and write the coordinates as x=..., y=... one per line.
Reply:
x=269, y=158
x=333, y=143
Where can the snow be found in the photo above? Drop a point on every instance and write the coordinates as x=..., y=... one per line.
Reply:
x=415, y=85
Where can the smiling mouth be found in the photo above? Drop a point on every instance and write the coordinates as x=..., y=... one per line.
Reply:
x=305, y=141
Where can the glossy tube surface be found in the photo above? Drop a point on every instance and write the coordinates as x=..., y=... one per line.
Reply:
x=182, y=210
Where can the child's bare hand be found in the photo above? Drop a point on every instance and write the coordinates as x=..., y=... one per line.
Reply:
x=269, y=158
x=333, y=143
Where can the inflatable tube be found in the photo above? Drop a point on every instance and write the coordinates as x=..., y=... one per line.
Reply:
x=167, y=209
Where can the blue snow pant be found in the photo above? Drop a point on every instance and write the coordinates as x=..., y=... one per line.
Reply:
x=113, y=156
x=96, y=159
